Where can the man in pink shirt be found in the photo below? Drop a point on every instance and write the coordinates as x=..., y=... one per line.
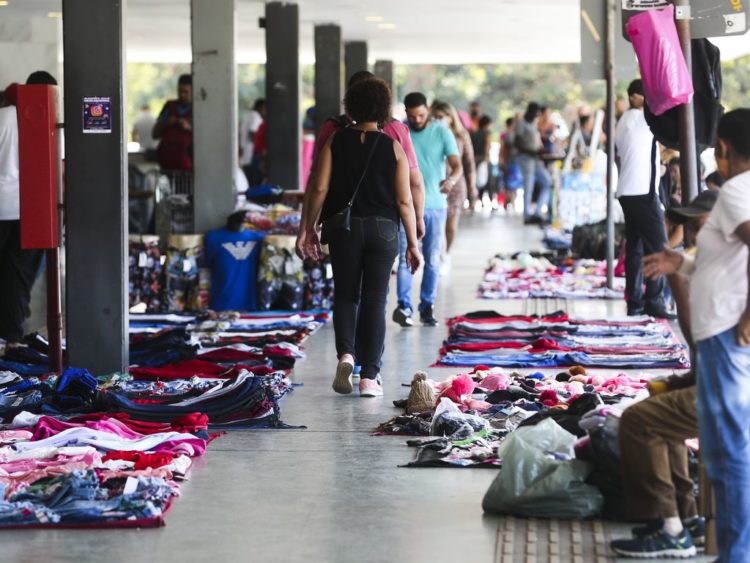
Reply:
x=395, y=130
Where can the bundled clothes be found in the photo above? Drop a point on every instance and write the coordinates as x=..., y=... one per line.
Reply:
x=525, y=276
x=94, y=470
x=486, y=338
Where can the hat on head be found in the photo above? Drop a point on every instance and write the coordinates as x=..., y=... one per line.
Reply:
x=701, y=205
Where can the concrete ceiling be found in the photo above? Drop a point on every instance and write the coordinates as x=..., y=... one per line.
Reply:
x=406, y=31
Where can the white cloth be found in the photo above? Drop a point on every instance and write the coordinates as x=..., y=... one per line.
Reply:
x=142, y=130
x=10, y=191
x=249, y=125
x=718, y=287
x=241, y=185
x=634, y=142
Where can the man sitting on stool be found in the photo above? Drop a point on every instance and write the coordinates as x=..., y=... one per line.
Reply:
x=653, y=455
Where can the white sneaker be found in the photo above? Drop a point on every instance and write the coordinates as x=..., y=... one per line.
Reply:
x=370, y=387
x=342, y=383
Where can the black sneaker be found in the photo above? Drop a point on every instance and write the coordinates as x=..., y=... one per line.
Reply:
x=402, y=316
x=697, y=530
x=656, y=544
x=427, y=317
x=635, y=311
x=695, y=527
x=660, y=312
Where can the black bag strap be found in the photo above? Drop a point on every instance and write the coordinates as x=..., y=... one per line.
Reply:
x=364, y=172
x=654, y=166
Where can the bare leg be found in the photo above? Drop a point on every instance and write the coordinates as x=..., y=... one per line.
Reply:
x=451, y=228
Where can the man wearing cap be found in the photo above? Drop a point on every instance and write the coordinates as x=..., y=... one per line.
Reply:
x=653, y=456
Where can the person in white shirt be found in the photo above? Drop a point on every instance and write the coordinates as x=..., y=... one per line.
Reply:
x=248, y=128
x=142, y=129
x=637, y=189
x=18, y=267
x=720, y=323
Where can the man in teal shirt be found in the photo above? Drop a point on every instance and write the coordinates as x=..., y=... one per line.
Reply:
x=434, y=144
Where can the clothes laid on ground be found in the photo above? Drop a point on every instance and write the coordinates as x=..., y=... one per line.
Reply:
x=486, y=338
x=232, y=367
x=94, y=470
x=475, y=412
x=524, y=276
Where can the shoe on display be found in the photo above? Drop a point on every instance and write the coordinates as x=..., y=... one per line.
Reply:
x=356, y=372
x=402, y=316
x=370, y=387
x=342, y=383
x=427, y=317
x=656, y=544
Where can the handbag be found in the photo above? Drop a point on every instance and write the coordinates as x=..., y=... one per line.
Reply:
x=341, y=222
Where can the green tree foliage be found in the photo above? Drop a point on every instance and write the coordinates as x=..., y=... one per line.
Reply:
x=501, y=89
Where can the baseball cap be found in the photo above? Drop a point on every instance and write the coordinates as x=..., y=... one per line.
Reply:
x=701, y=205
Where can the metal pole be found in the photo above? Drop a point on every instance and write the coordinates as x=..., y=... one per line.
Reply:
x=686, y=112
x=610, y=127
x=54, y=311
x=54, y=289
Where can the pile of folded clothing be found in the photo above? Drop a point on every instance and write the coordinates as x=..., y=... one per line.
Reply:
x=95, y=470
x=525, y=276
x=461, y=421
x=486, y=338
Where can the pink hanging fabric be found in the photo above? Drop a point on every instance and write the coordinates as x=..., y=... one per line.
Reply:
x=666, y=80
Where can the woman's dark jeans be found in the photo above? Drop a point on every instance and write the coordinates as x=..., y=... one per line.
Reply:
x=362, y=260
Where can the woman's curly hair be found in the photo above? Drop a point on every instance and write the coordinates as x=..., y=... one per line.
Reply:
x=369, y=100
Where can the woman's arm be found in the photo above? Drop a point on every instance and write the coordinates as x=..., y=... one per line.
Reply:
x=470, y=167
x=406, y=208
x=313, y=203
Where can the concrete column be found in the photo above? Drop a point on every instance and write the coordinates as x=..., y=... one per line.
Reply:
x=214, y=112
x=355, y=57
x=328, y=75
x=385, y=71
x=283, y=95
x=95, y=188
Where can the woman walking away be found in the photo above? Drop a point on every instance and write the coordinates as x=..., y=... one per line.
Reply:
x=361, y=192
x=466, y=186
x=482, y=142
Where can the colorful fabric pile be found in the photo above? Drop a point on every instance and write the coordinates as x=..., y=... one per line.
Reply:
x=525, y=276
x=94, y=470
x=486, y=338
x=473, y=413
x=234, y=368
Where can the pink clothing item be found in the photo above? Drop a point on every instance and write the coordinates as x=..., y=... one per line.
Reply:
x=15, y=475
x=394, y=129
x=92, y=457
x=48, y=426
x=458, y=388
x=13, y=436
x=476, y=405
x=495, y=382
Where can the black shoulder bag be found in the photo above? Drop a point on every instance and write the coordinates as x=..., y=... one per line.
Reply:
x=341, y=222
